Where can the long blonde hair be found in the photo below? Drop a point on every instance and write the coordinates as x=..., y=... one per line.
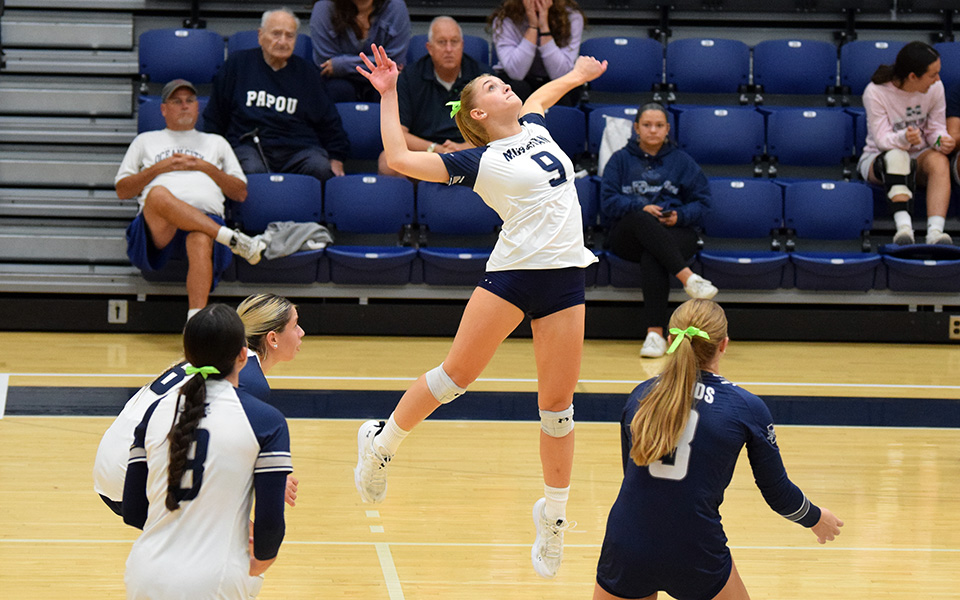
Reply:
x=663, y=412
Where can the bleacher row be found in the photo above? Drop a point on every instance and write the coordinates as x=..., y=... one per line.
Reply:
x=762, y=235
x=417, y=248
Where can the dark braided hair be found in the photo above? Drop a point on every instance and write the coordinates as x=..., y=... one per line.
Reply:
x=213, y=337
x=344, y=16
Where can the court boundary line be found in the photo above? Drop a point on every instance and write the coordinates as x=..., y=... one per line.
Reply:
x=390, y=575
x=145, y=376
x=830, y=547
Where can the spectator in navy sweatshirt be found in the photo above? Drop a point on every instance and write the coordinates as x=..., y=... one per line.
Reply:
x=272, y=108
x=655, y=197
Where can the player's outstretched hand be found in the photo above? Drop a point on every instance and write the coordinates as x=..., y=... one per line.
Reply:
x=589, y=68
x=828, y=527
x=382, y=75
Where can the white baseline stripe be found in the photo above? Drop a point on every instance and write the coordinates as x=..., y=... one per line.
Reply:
x=4, y=383
x=389, y=571
x=386, y=546
x=907, y=386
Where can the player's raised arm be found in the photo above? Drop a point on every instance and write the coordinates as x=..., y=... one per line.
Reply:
x=587, y=68
x=383, y=75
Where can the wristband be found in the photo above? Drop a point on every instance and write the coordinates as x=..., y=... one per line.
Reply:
x=544, y=33
x=532, y=27
x=432, y=147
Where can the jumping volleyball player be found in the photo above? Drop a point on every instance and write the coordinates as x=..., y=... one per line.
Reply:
x=536, y=268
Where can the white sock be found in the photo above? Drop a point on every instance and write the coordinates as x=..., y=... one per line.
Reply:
x=902, y=219
x=935, y=223
x=389, y=438
x=224, y=235
x=556, y=506
x=192, y=312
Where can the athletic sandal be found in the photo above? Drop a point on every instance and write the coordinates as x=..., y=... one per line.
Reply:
x=547, y=552
x=370, y=475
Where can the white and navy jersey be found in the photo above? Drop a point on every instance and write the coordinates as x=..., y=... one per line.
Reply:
x=110, y=466
x=252, y=380
x=668, y=513
x=529, y=181
x=204, y=543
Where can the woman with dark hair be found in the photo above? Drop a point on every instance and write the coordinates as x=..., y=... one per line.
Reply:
x=341, y=29
x=536, y=269
x=655, y=198
x=198, y=459
x=273, y=335
x=536, y=41
x=681, y=433
x=907, y=139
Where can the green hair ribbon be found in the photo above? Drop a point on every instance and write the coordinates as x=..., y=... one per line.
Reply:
x=204, y=371
x=681, y=333
x=454, y=108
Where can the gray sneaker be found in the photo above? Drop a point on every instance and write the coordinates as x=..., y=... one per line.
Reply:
x=698, y=287
x=547, y=551
x=904, y=236
x=654, y=346
x=370, y=475
x=250, y=249
x=938, y=237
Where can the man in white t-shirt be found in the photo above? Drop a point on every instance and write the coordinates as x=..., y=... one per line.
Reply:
x=180, y=177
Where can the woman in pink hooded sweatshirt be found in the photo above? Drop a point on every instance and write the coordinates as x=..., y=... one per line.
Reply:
x=907, y=139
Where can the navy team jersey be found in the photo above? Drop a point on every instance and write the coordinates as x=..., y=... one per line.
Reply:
x=529, y=181
x=241, y=445
x=664, y=530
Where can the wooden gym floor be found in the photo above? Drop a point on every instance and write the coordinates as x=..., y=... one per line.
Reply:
x=456, y=522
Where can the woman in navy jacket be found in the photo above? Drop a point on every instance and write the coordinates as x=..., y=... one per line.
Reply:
x=655, y=197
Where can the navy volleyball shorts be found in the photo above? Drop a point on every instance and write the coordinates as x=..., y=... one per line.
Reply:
x=537, y=292
x=144, y=255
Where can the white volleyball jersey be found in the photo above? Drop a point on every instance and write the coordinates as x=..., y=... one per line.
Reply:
x=110, y=466
x=200, y=551
x=529, y=181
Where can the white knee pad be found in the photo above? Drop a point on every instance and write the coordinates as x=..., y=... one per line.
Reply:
x=557, y=424
x=898, y=173
x=441, y=386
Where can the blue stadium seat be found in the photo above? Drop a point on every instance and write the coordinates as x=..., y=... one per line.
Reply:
x=809, y=136
x=361, y=121
x=280, y=197
x=744, y=216
x=708, y=65
x=368, y=213
x=859, y=128
x=150, y=119
x=822, y=213
x=794, y=66
x=634, y=64
x=721, y=136
x=922, y=268
x=596, y=122
x=588, y=192
x=192, y=54
x=244, y=40
x=859, y=60
x=568, y=127
x=949, y=62
x=474, y=46
x=458, y=233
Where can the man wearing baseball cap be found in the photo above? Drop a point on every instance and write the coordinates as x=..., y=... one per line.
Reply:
x=180, y=177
